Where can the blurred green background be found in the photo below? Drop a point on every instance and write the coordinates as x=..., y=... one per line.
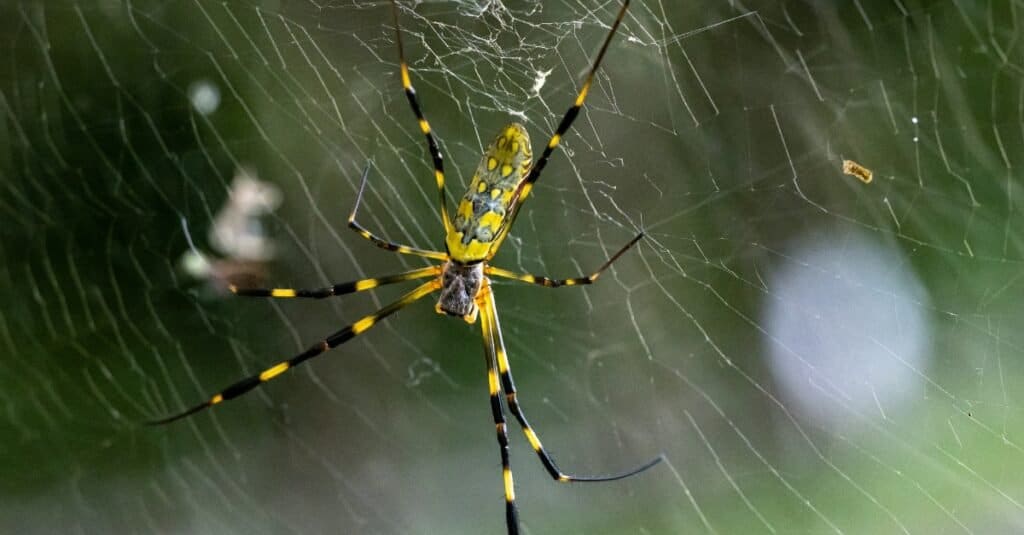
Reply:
x=813, y=354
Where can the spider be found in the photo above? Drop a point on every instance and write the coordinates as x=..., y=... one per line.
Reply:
x=502, y=182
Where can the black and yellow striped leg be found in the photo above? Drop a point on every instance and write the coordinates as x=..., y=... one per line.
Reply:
x=332, y=341
x=494, y=389
x=490, y=312
x=570, y=115
x=337, y=289
x=523, y=191
x=554, y=283
x=381, y=242
x=410, y=94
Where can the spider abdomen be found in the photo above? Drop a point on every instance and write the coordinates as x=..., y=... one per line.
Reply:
x=482, y=218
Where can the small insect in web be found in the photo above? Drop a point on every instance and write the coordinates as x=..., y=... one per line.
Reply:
x=485, y=214
x=853, y=168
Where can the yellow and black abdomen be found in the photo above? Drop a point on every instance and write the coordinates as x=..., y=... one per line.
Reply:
x=484, y=213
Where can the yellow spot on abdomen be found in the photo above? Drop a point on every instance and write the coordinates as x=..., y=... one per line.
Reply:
x=282, y=292
x=424, y=126
x=270, y=373
x=491, y=220
x=474, y=250
x=555, y=139
x=216, y=399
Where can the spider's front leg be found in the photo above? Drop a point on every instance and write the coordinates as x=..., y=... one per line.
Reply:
x=381, y=242
x=338, y=289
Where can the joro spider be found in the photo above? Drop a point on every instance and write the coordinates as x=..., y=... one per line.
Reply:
x=502, y=182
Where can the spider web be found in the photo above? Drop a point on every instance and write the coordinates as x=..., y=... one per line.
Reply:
x=812, y=353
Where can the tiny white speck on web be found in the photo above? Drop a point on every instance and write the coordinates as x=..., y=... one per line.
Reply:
x=539, y=81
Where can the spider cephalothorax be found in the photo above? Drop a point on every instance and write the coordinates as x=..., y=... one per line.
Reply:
x=460, y=284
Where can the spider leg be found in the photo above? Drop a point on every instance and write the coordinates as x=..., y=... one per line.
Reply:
x=554, y=283
x=410, y=93
x=498, y=411
x=523, y=191
x=381, y=242
x=490, y=312
x=574, y=110
x=337, y=289
x=359, y=327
